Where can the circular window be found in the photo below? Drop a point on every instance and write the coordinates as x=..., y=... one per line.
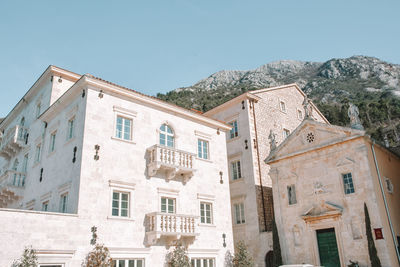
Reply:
x=310, y=137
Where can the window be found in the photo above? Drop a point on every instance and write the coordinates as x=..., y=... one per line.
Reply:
x=239, y=213
x=128, y=263
x=168, y=205
x=292, y=194
x=45, y=206
x=348, y=183
x=166, y=136
x=236, y=171
x=203, y=262
x=38, y=109
x=234, y=131
x=286, y=133
x=63, y=203
x=282, y=106
x=70, y=130
x=206, y=213
x=38, y=152
x=202, y=149
x=52, y=142
x=123, y=128
x=299, y=114
x=120, y=204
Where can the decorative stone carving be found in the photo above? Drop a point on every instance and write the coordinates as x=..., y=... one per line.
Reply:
x=308, y=109
x=319, y=188
x=353, y=113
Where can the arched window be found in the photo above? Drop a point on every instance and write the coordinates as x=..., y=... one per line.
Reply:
x=166, y=136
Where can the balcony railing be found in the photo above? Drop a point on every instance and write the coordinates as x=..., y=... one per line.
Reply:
x=13, y=140
x=170, y=226
x=12, y=184
x=176, y=164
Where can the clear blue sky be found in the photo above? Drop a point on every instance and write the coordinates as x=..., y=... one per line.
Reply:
x=157, y=46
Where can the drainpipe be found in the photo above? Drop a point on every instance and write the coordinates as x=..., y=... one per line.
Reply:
x=259, y=165
x=384, y=200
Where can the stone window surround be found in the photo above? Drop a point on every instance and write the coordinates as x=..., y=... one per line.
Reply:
x=203, y=140
x=64, y=189
x=237, y=200
x=284, y=105
x=52, y=133
x=128, y=114
x=231, y=118
x=52, y=257
x=208, y=199
x=168, y=193
x=121, y=187
x=46, y=198
x=299, y=111
x=30, y=205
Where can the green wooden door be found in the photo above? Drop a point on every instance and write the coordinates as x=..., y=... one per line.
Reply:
x=327, y=247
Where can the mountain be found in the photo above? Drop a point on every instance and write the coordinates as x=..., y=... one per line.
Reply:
x=372, y=84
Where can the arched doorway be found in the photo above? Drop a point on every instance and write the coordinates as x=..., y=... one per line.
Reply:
x=269, y=257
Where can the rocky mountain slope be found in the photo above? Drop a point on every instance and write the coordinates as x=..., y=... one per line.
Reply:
x=373, y=85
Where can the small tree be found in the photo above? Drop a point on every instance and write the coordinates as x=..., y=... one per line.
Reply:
x=28, y=259
x=277, y=254
x=99, y=256
x=242, y=257
x=373, y=254
x=178, y=257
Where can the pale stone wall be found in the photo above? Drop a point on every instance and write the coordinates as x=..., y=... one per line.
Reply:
x=317, y=176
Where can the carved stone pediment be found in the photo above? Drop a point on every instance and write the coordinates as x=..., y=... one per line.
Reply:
x=321, y=211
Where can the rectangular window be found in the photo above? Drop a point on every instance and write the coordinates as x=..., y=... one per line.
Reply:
x=292, y=194
x=52, y=142
x=38, y=152
x=286, y=133
x=234, y=131
x=70, y=130
x=123, y=128
x=239, y=213
x=203, y=262
x=120, y=204
x=299, y=114
x=168, y=205
x=25, y=163
x=202, y=149
x=45, y=206
x=128, y=263
x=236, y=170
x=348, y=183
x=64, y=203
x=206, y=213
x=282, y=105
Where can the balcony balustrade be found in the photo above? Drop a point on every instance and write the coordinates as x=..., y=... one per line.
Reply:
x=176, y=164
x=13, y=140
x=171, y=226
x=12, y=185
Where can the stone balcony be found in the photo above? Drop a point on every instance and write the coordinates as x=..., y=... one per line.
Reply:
x=13, y=141
x=171, y=227
x=175, y=164
x=12, y=185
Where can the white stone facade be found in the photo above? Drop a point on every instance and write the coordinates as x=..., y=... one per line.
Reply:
x=80, y=173
x=277, y=109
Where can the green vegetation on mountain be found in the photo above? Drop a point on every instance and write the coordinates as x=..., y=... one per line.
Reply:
x=371, y=84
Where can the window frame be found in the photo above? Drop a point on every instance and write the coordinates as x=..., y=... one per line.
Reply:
x=211, y=217
x=167, y=134
x=38, y=152
x=63, y=205
x=46, y=204
x=200, y=146
x=291, y=187
x=286, y=133
x=126, y=264
x=120, y=201
x=71, y=128
x=52, y=141
x=238, y=164
x=344, y=183
x=300, y=115
x=123, y=132
x=122, y=187
x=235, y=128
x=194, y=261
x=282, y=107
x=167, y=198
x=242, y=214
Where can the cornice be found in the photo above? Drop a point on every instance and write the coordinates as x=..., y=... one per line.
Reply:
x=232, y=102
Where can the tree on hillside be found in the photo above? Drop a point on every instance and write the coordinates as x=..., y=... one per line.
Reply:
x=99, y=256
x=277, y=259
x=373, y=254
x=242, y=257
x=28, y=259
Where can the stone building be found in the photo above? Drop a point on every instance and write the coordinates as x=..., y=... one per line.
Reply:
x=77, y=151
x=322, y=175
x=253, y=116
